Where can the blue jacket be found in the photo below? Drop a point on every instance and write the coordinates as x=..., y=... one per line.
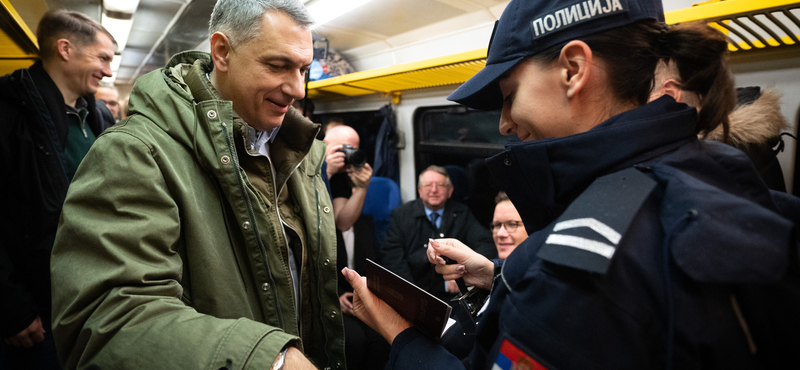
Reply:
x=704, y=273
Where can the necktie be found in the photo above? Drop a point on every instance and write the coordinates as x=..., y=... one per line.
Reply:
x=434, y=217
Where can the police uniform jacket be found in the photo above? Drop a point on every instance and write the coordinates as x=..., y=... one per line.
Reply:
x=651, y=249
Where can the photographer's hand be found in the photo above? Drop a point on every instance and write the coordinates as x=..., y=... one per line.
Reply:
x=360, y=176
x=335, y=160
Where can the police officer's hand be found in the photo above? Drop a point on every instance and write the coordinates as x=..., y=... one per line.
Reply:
x=372, y=310
x=29, y=336
x=360, y=175
x=476, y=269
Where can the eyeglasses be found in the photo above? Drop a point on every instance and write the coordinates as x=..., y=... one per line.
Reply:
x=430, y=185
x=510, y=226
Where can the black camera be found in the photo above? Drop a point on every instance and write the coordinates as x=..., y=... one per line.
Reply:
x=353, y=156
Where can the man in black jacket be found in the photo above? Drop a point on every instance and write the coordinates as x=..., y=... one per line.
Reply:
x=433, y=215
x=49, y=122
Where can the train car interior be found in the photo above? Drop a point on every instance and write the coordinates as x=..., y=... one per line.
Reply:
x=408, y=56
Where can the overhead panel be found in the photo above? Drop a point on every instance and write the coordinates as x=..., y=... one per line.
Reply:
x=18, y=47
x=748, y=24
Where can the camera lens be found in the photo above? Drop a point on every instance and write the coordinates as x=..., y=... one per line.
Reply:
x=353, y=156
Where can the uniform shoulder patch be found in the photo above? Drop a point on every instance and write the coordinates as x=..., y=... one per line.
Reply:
x=586, y=235
x=510, y=357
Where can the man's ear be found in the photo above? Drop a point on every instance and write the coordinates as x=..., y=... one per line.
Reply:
x=450, y=192
x=220, y=50
x=64, y=48
x=576, y=63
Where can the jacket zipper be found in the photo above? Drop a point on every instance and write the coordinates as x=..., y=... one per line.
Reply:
x=251, y=217
x=286, y=242
x=82, y=124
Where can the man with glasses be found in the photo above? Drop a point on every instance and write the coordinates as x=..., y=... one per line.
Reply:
x=433, y=215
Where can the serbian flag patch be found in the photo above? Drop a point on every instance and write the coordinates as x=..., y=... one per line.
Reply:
x=511, y=357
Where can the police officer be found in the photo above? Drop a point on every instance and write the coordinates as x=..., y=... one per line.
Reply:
x=649, y=248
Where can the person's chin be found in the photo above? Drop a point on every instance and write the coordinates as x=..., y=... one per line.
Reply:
x=268, y=123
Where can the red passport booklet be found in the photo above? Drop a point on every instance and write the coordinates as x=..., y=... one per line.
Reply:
x=426, y=312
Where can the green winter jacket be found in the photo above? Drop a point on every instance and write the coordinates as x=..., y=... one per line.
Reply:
x=168, y=257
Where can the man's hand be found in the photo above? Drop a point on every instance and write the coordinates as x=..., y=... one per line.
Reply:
x=31, y=335
x=476, y=269
x=335, y=160
x=346, y=302
x=360, y=176
x=372, y=310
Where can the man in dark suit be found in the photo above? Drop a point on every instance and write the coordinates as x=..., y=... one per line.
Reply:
x=433, y=215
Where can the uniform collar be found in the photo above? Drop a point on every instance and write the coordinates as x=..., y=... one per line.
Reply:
x=543, y=177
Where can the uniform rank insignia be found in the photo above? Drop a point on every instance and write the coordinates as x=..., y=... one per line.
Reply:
x=586, y=236
x=511, y=357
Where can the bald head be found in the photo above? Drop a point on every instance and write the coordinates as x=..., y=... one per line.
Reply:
x=341, y=135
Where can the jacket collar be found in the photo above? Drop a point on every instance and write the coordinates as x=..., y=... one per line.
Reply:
x=543, y=177
x=39, y=81
x=183, y=85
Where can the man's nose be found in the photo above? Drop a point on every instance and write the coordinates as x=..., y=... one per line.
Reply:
x=294, y=86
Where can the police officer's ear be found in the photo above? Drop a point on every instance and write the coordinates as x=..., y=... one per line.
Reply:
x=575, y=61
x=220, y=50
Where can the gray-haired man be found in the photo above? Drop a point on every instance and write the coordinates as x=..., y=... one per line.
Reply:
x=200, y=234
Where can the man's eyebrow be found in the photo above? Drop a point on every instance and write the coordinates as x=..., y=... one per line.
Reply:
x=279, y=58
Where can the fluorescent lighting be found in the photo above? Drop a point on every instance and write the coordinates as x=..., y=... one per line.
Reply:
x=119, y=28
x=114, y=68
x=118, y=18
x=115, y=63
x=324, y=11
x=122, y=6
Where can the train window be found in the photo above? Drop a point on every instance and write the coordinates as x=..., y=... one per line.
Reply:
x=459, y=139
x=366, y=123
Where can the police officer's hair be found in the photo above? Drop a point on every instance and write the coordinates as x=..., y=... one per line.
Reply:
x=434, y=168
x=240, y=20
x=76, y=27
x=632, y=52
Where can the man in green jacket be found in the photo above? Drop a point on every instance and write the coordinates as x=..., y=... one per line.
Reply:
x=198, y=233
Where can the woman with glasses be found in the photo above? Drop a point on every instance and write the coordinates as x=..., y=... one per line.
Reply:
x=649, y=248
x=507, y=228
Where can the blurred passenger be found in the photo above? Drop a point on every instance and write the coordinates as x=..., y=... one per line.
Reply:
x=507, y=230
x=650, y=248
x=349, y=182
x=199, y=235
x=110, y=96
x=755, y=124
x=432, y=215
x=49, y=121
x=507, y=227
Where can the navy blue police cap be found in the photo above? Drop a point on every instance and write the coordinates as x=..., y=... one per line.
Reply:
x=528, y=27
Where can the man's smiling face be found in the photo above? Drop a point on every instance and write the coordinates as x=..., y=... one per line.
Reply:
x=267, y=74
